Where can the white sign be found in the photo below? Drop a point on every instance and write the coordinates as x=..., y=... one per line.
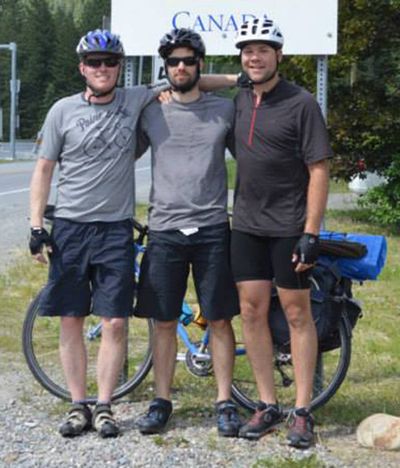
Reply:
x=308, y=26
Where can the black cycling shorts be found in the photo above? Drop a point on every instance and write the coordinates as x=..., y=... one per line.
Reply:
x=165, y=268
x=266, y=258
x=91, y=270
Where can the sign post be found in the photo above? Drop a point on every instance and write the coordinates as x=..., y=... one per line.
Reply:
x=12, y=46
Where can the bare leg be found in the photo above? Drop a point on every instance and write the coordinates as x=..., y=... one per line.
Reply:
x=222, y=351
x=303, y=339
x=164, y=357
x=73, y=355
x=254, y=305
x=111, y=356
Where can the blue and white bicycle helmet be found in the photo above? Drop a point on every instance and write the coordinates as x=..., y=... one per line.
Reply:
x=100, y=41
x=259, y=30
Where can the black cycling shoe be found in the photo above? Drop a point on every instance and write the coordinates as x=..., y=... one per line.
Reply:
x=156, y=418
x=228, y=421
x=104, y=422
x=78, y=421
x=301, y=429
x=265, y=419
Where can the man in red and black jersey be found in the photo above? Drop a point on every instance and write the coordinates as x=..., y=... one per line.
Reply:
x=282, y=148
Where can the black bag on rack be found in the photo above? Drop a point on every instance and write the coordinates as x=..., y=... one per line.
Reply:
x=330, y=296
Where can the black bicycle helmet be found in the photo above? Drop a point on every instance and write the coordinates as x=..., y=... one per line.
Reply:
x=181, y=37
x=100, y=41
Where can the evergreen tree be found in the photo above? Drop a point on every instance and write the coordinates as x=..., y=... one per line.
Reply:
x=93, y=12
x=37, y=47
x=65, y=78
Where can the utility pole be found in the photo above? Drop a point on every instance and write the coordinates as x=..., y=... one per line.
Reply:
x=12, y=46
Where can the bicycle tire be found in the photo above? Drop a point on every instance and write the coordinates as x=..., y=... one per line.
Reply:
x=40, y=337
x=244, y=391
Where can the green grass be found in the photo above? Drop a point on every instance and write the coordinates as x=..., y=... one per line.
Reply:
x=231, y=169
x=371, y=385
x=279, y=462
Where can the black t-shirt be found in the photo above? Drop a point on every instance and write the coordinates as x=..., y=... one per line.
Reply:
x=274, y=143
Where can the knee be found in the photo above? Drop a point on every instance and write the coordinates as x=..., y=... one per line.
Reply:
x=71, y=330
x=165, y=328
x=114, y=327
x=297, y=316
x=220, y=326
x=252, y=312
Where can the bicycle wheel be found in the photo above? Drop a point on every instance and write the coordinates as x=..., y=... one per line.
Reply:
x=40, y=342
x=331, y=370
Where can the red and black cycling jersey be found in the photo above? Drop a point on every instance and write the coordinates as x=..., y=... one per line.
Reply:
x=275, y=139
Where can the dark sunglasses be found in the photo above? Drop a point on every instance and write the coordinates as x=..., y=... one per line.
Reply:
x=109, y=62
x=175, y=61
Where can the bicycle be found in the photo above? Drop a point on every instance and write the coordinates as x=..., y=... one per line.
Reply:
x=40, y=346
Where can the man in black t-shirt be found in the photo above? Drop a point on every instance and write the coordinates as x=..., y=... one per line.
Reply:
x=281, y=147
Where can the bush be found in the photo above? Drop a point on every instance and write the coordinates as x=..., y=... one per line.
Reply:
x=383, y=202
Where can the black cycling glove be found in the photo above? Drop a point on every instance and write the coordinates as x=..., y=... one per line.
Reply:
x=243, y=81
x=307, y=248
x=39, y=238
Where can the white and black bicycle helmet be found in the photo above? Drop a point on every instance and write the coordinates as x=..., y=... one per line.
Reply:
x=259, y=30
x=182, y=37
x=100, y=41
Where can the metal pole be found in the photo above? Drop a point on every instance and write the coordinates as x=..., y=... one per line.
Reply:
x=322, y=84
x=140, y=72
x=13, y=95
x=322, y=98
x=130, y=72
x=157, y=69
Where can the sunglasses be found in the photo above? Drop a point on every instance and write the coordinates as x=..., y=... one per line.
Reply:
x=109, y=62
x=188, y=61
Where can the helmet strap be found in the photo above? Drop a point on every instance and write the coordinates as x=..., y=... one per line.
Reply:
x=96, y=94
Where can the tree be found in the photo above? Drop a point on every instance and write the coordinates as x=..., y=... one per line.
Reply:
x=36, y=46
x=364, y=93
x=93, y=12
x=64, y=77
x=364, y=78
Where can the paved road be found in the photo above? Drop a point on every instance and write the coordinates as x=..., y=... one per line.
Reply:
x=14, y=203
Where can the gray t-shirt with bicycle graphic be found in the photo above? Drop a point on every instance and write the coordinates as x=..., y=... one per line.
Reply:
x=94, y=145
x=188, y=142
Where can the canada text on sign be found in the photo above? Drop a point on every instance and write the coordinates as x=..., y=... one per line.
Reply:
x=309, y=26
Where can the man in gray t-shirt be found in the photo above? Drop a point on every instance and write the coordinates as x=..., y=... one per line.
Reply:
x=92, y=137
x=188, y=226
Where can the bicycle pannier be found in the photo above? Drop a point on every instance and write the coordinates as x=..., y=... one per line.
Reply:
x=330, y=295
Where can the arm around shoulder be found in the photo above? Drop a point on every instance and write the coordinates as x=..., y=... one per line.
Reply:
x=217, y=82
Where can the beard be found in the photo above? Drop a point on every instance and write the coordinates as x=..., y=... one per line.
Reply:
x=267, y=77
x=186, y=86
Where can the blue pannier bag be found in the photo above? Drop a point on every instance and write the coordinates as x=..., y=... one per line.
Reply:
x=367, y=267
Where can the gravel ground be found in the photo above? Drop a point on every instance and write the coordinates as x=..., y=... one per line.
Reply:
x=29, y=420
